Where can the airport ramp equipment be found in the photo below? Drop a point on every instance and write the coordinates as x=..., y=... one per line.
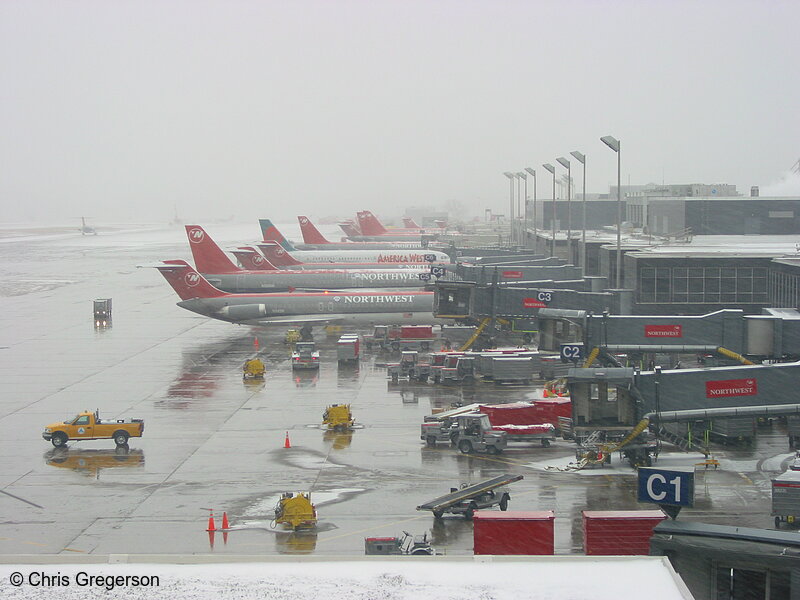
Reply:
x=442, y=503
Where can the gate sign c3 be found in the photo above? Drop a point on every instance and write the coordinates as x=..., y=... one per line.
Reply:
x=674, y=487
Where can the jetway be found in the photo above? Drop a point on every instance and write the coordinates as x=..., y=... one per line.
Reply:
x=772, y=335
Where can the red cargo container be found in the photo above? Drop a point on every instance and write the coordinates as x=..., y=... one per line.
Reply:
x=416, y=332
x=552, y=408
x=526, y=413
x=619, y=532
x=513, y=532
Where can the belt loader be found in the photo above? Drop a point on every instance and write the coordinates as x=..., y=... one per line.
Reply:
x=469, y=498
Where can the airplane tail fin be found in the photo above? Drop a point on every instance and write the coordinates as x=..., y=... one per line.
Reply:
x=410, y=223
x=270, y=233
x=252, y=260
x=441, y=223
x=369, y=224
x=187, y=282
x=279, y=257
x=208, y=257
x=311, y=234
x=349, y=228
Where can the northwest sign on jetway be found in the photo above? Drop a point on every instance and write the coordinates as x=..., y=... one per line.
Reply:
x=541, y=301
x=662, y=331
x=731, y=387
x=512, y=274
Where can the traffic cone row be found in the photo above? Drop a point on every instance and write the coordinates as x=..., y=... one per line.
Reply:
x=213, y=527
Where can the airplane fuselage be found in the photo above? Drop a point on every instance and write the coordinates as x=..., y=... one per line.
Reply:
x=390, y=256
x=264, y=281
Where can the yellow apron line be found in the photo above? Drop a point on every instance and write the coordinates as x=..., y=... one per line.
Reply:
x=35, y=544
x=336, y=537
x=73, y=550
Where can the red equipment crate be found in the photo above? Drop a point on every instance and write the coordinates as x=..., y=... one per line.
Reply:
x=619, y=532
x=513, y=532
x=416, y=332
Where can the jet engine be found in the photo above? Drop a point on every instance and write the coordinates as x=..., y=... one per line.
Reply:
x=244, y=312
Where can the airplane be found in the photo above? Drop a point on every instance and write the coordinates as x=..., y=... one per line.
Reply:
x=410, y=223
x=373, y=230
x=271, y=234
x=360, y=308
x=277, y=256
x=85, y=229
x=224, y=274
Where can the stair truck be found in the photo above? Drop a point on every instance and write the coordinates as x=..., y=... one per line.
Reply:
x=466, y=499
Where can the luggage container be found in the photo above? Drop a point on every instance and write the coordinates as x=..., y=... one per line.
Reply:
x=619, y=532
x=513, y=532
x=786, y=498
x=512, y=370
x=347, y=349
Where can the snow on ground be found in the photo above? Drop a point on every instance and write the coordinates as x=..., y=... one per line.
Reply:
x=403, y=579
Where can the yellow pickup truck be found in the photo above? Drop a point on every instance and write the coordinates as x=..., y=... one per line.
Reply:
x=88, y=426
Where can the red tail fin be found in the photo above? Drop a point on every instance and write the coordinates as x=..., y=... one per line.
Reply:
x=278, y=256
x=410, y=223
x=252, y=260
x=187, y=282
x=208, y=257
x=311, y=234
x=349, y=228
x=369, y=224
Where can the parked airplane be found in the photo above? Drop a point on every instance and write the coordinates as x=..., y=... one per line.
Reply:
x=85, y=229
x=362, y=308
x=385, y=255
x=270, y=233
x=224, y=274
x=277, y=256
x=410, y=223
x=371, y=226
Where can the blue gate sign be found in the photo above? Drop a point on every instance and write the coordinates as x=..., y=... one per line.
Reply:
x=424, y=276
x=672, y=487
x=571, y=352
x=437, y=271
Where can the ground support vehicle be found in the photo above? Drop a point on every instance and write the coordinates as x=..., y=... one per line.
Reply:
x=338, y=417
x=474, y=433
x=88, y=426
x=253, y=369
x=510, y=369
x=525, y=414
x=305, y=356
x=459, y=369
x=438, y=427
x=292, y=337
x=347, y=348
x=786, y=498
x=469, y=498
x=411, y=545
x=406, y=337
x=409, y=366
x=102, y=312
x=439, y=363
x=295, y=510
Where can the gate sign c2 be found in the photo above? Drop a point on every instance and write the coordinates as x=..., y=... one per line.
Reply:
x=571, y=352
x=674, y=487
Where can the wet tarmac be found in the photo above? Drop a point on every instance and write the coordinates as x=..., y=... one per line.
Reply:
x=212, y=441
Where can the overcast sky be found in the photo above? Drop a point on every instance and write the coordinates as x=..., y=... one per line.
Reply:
x=125, y=109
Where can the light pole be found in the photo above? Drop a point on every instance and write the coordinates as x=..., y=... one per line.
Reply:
x=565, y=163
x=511, y=205
x=613, y=143
x=581, y=158
x=523, y=223
x=532, y=172
x=552, y=170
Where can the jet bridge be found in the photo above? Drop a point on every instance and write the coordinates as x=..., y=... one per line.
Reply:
x=772, y=335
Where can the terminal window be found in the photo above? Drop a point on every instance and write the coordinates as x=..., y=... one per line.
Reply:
x=702, y=285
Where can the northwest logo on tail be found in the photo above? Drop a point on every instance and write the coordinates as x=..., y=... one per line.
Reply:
x=196, y=235
x=192, y=279
x=257, y=260
x=303, y=221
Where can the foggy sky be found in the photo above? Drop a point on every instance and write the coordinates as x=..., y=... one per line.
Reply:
x=124, y=109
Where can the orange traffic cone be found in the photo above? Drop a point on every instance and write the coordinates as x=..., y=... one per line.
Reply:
x=255, y=343
x=286, y=443
x=225, y=521
x=211, y=525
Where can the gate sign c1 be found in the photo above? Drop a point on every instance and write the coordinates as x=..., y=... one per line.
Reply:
x=437, y=271
x=571, y=352
x=671, y=487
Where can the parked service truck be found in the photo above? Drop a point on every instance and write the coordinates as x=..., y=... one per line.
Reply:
x=305, y=356
x=407, y=337
x=347, y=348
x=88, y=426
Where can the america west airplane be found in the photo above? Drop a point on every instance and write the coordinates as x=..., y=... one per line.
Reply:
x=275, y=257
x=361, y=308
x=270, y=233
x=220, y=270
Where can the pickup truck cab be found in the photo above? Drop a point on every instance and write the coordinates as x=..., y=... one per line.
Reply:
x=88, y=426
x=305, y=356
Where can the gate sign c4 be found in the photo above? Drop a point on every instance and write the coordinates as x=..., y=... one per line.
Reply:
x=673, y=487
